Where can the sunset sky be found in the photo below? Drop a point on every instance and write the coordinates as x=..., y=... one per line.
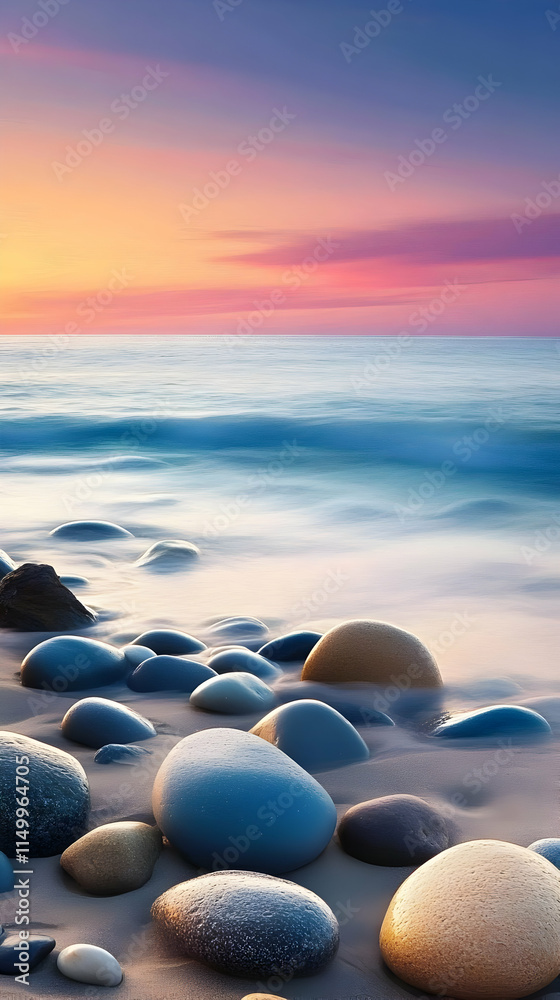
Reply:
x=190, y=166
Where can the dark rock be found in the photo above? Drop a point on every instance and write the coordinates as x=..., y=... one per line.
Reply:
x=247, y=924
x=37, y=947
x=119, y=753
x=169, y=673
x=293, y=646
x=59, y=802
x=34, y=599
x=394, y=830
x=496, y=720
x=169, y=641
x=97, y=721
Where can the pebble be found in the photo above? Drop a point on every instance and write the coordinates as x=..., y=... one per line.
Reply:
x=394, y=830
x=6, y=564
x=496, y=720
x=75, y=581
x=372, y=651
x=114, y=858
x=135, y=655
x=233, y=694
x=59, y=804
x=239, y=658
x=247, y=924
x=247, y=631
x=119, y=753
x=277, y=819
x=72, y=663
x=93, y=722
x=548, y=848
x=85, y=963
x=90, y=530
x=482, y=919
x=313, y=734
x=169, y=641
x=12, y=955
x=6, y=873
x=293, y=646
x=169, y=673
x=169, y=554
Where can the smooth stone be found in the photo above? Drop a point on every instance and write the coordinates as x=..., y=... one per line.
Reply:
x=34, y=599
x=114, y=858
x=358, y=713
x=75, y=581
x=135, y=655
x=247, y=924
x=548, y=848
x=59, y=800
x=72, y=663
x=11, y=954
x=7, y=565
x=238, y=658
x=482, y=919
x=493, y=687
x=93, y=722
x=168, y=641
x=495, y=720
x=222, y=787
x=169, y=673
x=372, y=651
x=262, y=996
x=245, y=630
x=86, y=963
x=119, y=753
x=169, y=554
x=233, y=694
x=90, y=530
x=292, y=646
x=393, y=830
x=6, y=873
x=313, y=734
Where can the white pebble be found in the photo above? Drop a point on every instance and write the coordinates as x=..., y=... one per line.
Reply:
x=86, y=963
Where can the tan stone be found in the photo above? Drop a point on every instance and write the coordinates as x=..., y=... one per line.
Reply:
x=364, y=650
x=481, y=921
x=262, y=996
x=114, y=858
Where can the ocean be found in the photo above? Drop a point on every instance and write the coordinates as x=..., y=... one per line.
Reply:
x=323, y=478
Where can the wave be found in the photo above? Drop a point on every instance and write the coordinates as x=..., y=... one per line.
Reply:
x=477, y=445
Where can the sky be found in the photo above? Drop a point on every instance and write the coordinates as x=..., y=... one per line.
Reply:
x=269, y=166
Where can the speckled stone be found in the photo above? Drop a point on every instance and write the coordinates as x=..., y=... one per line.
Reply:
x=313, y=734
x=548, y=848
x=248, y=924
x=496, y=720
x=169, y=641
x=292, y=646
x=12, y=955
x=90, y=531
x=6, y=873
x=119, y=753
x=233, y=694
x=169, y=673
x=86, y=963
x=168, y=555
x=479, y=920
x=372, y=651
x=227, y=799
x=94, y=722
x=238, y=658
x=114, y=858
x=394, y=830
x=59, y=805
x=72, y=663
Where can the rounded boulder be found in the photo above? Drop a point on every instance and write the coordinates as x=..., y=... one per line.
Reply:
x=97, y=721
x=72, y=663
x=313, y=734
x=114, y=858
x=233, y=694
x=393, y=830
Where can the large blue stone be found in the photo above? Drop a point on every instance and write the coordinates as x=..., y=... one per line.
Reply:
x=247, y=924
x=169, y=673
x=58, y=798
x=496, y=720
x=169, y=641
x=313, y=734
x=72, y=663
x=293, y=646
x=233, y=694
x=549, y=848
x=97, y=721
x=239, y=658
x=227, y=799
